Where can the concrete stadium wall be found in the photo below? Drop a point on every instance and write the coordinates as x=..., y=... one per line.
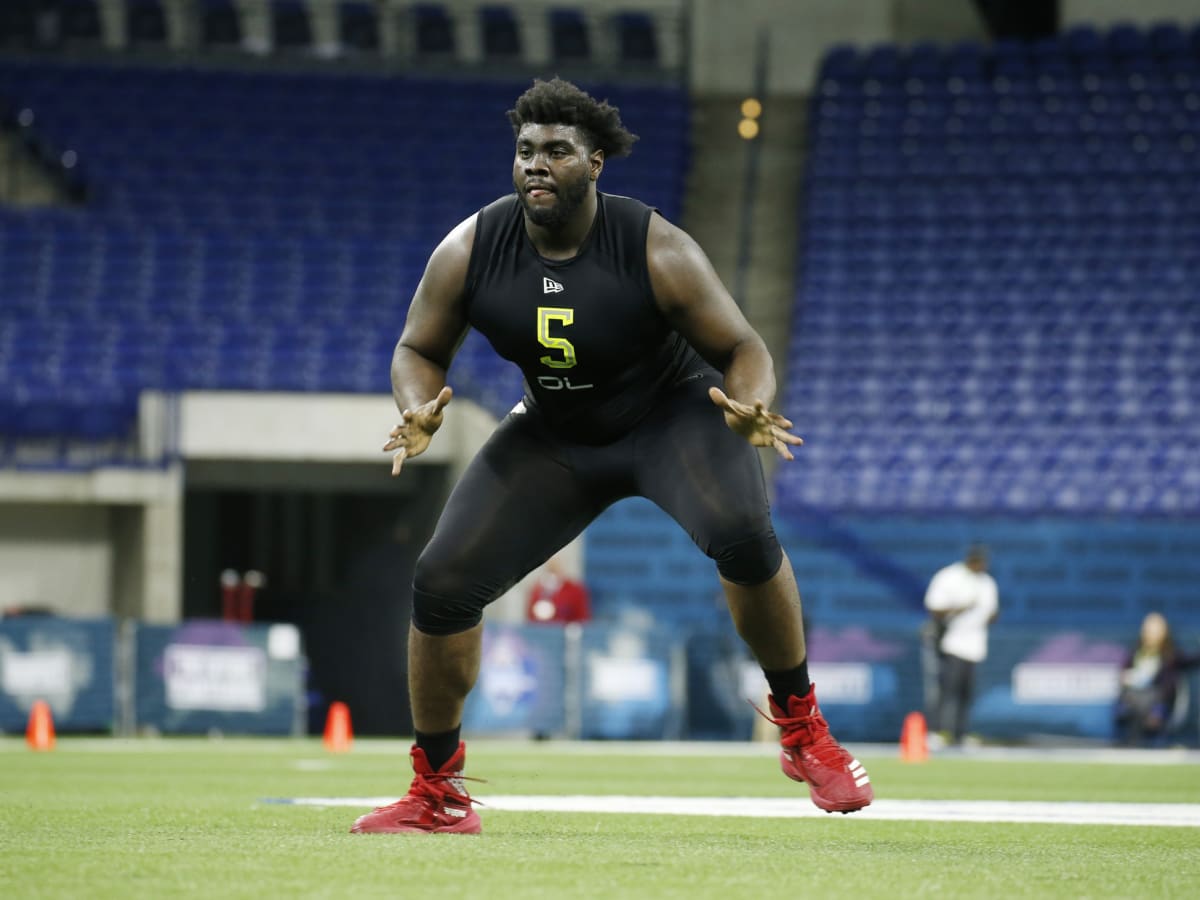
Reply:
x=109, y=540
x=725, y=35
x=56, y=556
x=1145, y=12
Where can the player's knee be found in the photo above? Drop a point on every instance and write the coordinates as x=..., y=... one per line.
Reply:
x=445, y=601
x=749, y=561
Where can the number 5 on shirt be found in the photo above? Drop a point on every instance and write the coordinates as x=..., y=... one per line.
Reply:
x=546, y=315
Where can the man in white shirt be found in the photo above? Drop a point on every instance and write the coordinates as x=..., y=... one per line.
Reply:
x=964, y=601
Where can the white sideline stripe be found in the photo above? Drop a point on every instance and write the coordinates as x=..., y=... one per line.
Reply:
x=1163, y=814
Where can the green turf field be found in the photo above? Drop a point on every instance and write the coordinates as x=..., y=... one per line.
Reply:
x=168, y=818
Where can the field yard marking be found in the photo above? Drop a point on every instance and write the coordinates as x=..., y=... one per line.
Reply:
x=1185, y=815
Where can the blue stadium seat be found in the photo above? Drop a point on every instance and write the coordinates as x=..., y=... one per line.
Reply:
x=358, y=25
x=992, y=261
x=220, y=24
x=883, y=63
x=965, y=61
x=80, y=21
x=501, y=34
x=434, y=30
x=637, y=38
x=18, y=24
x=925, y=61
x=290, y=26
x=1125, y=42
x=145, y=23
x=1167, y=41
x=569, y=36
x=243, y=219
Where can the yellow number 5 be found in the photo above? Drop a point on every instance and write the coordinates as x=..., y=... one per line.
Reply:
x=546, y=315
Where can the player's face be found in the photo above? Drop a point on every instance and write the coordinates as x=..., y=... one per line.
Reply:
x=1154, y=630
x=552, y=173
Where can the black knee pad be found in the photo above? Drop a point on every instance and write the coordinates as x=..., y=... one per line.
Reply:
x=441, y=616
x=445, y=601
x=750, y=561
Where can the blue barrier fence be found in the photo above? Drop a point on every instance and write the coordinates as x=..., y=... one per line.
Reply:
x=69, y=663
x=599, y=681
x=195, y=677
x=203, y=676
x=634, y=683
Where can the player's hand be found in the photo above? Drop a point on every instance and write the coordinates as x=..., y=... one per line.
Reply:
x=757, y=424
x=416, y=428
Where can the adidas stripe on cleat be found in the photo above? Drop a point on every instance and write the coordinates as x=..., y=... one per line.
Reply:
x=837, y=782
x=436, y=802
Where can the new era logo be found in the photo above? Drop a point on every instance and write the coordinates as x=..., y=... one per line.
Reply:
x=550, y=286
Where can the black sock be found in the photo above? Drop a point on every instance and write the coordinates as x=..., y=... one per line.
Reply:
x=439, y=747
x=788, y=682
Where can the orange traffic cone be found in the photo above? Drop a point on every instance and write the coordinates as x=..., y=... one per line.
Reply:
x=40, y=732
x=338, y=732
x=914, y=746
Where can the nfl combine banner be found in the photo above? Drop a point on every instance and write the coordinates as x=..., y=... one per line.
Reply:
x=66, y=662
x=203, y=676
x=522, y=682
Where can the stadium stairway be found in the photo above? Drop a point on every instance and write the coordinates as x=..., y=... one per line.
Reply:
x=712, y=207
x=22, y=181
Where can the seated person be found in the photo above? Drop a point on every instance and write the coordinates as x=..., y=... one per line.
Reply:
x=1150, y=684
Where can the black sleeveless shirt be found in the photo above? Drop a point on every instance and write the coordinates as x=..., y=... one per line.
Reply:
x=595, y=350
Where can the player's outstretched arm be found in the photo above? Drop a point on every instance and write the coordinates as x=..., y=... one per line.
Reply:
x=757, y=424
x=416, y=429
x=433, y=331
x=694, y=300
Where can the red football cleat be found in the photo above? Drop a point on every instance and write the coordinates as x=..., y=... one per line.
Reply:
x=836, y=780
x=436, y=802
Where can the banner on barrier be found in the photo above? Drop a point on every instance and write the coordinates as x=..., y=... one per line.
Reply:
x=626, y=689
x=221, y=679
x=202, y=676
x=522, y=682
x=66, y=662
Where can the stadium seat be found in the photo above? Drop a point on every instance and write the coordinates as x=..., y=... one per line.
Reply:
x=569, y=37
x=993, y=254
x=1167, y=41
x=1125, y=42
x=358, y=25
x=925, y=61
x=501, y=35
x=220, y=24
x=434, y=30
x=145, y=23
x=290, y=27
x=18, y=24
x=882, y=64
x=231, y=229
x=80, y=21
x=965, y=61
x=637, y=39
x=839, y=64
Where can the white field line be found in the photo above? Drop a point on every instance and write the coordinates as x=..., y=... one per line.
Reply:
x=1163, y=814
x=713, y=749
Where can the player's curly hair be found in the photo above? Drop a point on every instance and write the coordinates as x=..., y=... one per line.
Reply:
x=558, y=102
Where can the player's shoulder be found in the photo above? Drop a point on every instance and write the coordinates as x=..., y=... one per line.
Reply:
x=946, y=573
x=457, y=243
x=623, y=204
x=504, y=205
